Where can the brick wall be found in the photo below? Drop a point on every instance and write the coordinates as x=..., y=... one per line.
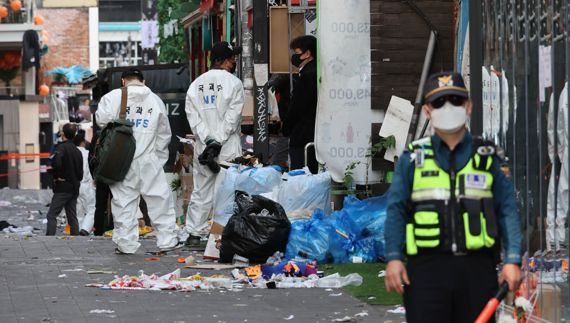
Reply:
x=68, y=38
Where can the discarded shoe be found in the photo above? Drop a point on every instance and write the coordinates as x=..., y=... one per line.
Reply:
x=83, y=233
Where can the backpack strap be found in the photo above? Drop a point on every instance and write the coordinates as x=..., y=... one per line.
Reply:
x=123, y=113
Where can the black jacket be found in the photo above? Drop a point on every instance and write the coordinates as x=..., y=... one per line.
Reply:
x=31, y=46
x=299, y=125
x=67, y=168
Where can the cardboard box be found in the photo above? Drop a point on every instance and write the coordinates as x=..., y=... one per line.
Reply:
x=217, y=228
x=211, y=251
x=278, y=38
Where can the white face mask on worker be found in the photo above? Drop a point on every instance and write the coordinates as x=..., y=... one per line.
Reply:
x=449, y=118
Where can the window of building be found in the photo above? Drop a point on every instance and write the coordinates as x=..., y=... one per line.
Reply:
x=113, y=54
x=120, y=10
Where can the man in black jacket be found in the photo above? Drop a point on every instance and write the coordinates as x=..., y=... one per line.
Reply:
x=67, y=169
x=300, y=122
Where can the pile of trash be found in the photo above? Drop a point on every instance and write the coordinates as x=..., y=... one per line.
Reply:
x=173, y=281
x=354, y=234
x=7, y=228
x=299, y=192
x=261, y=211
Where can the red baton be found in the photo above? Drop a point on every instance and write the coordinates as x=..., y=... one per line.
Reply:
x=493, y=303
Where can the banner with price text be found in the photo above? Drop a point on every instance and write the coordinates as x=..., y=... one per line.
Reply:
x=344, y=114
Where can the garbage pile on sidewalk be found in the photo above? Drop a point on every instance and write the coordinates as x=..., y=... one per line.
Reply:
x=247, y=278
x=259, y=211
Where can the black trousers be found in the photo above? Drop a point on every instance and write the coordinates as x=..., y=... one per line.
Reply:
x=445, y=288
x=58, y=202
x=102, y=194
x=297, y=156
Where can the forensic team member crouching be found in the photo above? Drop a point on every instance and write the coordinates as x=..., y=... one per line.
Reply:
x=449, y=209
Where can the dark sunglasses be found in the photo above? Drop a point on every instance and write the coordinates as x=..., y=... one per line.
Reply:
x=453, y=99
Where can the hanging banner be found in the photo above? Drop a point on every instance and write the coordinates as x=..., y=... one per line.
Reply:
x=344, y=114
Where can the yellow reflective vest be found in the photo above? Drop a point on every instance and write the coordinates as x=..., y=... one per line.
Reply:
x=451, y=211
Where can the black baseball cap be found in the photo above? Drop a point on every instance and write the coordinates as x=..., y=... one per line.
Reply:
x=442, y=84
x=132, y=72
x=224, y=50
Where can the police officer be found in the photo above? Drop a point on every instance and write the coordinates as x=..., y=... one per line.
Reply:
x=449, y=208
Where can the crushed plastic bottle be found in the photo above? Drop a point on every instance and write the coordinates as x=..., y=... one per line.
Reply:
x=338, y=281
x=276, y=258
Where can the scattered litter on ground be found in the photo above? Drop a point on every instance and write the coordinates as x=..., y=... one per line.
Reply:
x=73, y=270
x=361, y=314
x=344, y=319
x=382, y=273
x=371, y=297
x=215, y=266
x=336, y=295
x=397, y=310
x=98, y=311
x=173, y=281
x=62, y=276
x=44, y=221
x=289, y=318
x=152, y=258
x=5, y=203
x=103, y=272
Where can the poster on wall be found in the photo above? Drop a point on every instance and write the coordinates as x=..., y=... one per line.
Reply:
x=486, y=81
x=344, y=114
x=495, y=92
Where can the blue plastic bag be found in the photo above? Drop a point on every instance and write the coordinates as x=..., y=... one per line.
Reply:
x=301, y=195
x=224, y=201
x=366, y=218
x=256, y=181
x=309, y=239
x=251, y=180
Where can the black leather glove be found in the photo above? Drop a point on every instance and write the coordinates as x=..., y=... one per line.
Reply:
x=209, y=155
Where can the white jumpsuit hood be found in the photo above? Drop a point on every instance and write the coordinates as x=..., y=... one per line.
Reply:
x=214, y=104
x=145, y=177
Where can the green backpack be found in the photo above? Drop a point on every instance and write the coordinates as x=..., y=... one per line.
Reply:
x=115, y=148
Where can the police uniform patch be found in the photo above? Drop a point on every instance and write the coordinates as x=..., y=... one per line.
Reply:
x=430, y=173
x=478, y=181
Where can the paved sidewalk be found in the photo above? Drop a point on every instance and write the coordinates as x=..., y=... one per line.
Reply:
x=31, y=291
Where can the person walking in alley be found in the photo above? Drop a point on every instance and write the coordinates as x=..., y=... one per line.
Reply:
x=214, y=103
x=67, y=169
x=299, y=125
x=449, y=208
x=86, y=198
x=146, y=176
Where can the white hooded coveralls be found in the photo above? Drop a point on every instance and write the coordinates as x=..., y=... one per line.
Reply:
x=86, y=198
x=556, y=217
x=146, y=176
x=214, y=103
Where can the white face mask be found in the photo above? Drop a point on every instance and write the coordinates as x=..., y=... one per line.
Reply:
x=449, y=118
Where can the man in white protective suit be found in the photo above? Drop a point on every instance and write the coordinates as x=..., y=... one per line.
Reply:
x=214, y=103
x=145, y=177
x=86, y=198
x=556, y=221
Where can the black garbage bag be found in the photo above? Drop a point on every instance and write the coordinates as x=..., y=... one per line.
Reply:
x=258, y=228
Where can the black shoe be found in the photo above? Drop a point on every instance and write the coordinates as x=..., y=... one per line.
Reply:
x=193, y=241
x=83, y=233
